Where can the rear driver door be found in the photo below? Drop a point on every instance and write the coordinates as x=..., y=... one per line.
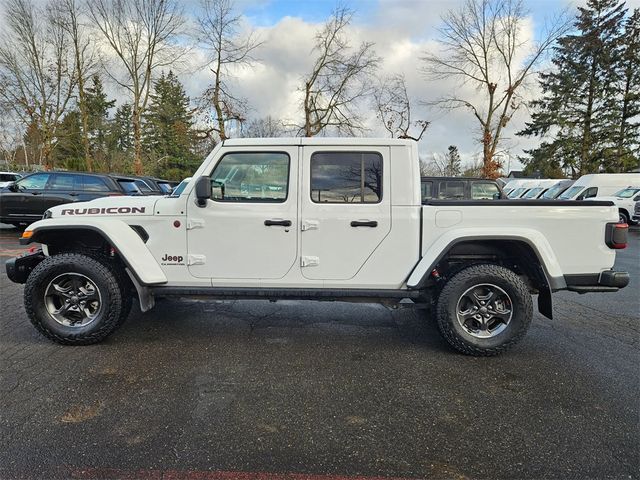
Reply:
x=346, y=209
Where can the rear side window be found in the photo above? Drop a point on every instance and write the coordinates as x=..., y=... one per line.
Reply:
x=94, y=184
x=34, y=182
x=8, y=177
x=346, y=177
x=65, y=182
x=251, y=177
x=427, y=190
x=451, y=190
x=484, y=191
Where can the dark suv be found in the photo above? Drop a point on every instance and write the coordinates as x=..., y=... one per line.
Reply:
x=459, y=188
x=26, y=200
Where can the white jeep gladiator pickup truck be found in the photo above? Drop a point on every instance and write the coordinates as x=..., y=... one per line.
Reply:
x=317, y=219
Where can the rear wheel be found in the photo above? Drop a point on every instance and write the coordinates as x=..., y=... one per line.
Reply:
x=73, y=299
x=484, y=310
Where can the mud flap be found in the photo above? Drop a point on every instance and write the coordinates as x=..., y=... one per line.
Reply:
x=545, y=304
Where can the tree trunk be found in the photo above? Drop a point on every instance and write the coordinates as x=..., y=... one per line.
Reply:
x=84, y=115
x=137, y=142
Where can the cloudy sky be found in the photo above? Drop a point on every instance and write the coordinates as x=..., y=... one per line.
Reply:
x=402, y=31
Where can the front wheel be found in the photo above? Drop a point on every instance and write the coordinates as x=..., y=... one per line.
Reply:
x=73, y=299
x=484, y=310
x=623, y=217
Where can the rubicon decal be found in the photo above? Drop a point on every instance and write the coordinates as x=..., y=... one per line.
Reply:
x=103, y=211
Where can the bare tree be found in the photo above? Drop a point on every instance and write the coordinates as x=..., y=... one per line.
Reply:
x=229, y=47
x=36, y=76
x=393, y=108
x=68, y=14
x=266, y=127
x=142, y=35
x=484, y=45
x=339, y=79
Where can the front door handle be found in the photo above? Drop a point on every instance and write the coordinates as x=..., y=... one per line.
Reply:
x=364, y=223
x=280, y=223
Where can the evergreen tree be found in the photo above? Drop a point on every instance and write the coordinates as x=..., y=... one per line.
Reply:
x=168, y=133
x=453, y=161
x=69, y=150
x=98, y=122
x=625, y=110
x=120, y=141
x=578, y=93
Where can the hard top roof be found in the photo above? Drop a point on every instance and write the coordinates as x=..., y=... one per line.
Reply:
x=319, y=141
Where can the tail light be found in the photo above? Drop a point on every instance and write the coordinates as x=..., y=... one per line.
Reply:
x=616, y=235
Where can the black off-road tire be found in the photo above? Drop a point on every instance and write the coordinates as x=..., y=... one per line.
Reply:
x=457, y=336
x=124, y=282
x=107, y=320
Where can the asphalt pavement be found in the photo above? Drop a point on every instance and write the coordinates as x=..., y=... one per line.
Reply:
x=322, y=391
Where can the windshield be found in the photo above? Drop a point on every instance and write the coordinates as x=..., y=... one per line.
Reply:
x=516, y=193
x=626, y=192
x=533, y=193
x=572, y=192
x=553, y=192
x=180, y=188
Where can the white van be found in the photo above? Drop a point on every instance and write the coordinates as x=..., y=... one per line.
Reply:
x=539, y=188
x=520, y=188
x=600, y=185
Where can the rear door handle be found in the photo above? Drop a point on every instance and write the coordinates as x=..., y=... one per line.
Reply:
x=280, y=223
x=364, y=223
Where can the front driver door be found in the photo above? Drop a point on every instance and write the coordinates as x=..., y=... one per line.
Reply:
x=248, y=230
x=24, y=202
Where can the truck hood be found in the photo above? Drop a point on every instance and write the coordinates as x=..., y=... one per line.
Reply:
x=106, y=206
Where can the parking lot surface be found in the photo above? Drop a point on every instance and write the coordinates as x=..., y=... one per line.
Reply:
x=292, y=390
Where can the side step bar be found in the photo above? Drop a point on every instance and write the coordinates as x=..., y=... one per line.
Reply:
x=230, y=293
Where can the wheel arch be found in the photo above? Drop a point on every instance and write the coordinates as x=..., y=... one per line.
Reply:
x=517, y=253
x=126, y=242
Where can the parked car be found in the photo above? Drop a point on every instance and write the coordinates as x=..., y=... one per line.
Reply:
x=626, y=200
x=25, y=200
x=163, y=187
x=521, y=186
x=636, y=213
x=134, y=185
x=538, y=189
x=7, y=178
x=556, y=190
x=334, y=220
x=459, y=188
x=177, y=191
x=599, y=185
x=516, y=183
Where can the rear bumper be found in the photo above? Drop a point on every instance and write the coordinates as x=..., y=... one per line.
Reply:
x=607, y=281
x=19, y=268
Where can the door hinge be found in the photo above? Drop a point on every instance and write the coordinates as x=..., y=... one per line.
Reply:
x=309, y=261
x=196, y=259
x=310, y=225
x=195, y=223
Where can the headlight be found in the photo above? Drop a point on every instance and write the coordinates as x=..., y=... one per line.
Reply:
x=47, y=214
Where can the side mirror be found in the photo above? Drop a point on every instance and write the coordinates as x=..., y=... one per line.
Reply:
x=13, y=187
x=497, y=196
x=203, y=191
